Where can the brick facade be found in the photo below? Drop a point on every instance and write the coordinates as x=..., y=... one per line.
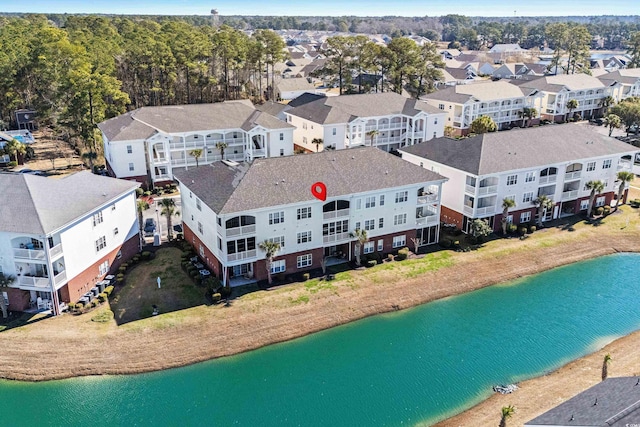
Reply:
x=449, y=216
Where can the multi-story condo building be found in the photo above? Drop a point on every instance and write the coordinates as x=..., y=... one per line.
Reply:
x=148, y=143
x=624, y=83
x=384, y=120
x=229, y=208
x=500, y=100
x=558, y=90
x=58, y=237
x=554, y=160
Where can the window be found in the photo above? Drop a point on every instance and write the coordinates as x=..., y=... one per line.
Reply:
x=101, y=243
x=113, y=207
x=358, y=204
x=435, y=120
x=399, y=241
x=368, y=247
x=512, y=179
x=278, y=266
x=198, y=204
x=333, y=131
x=337, y=227
x=115, y=231
x=190, y=195
x=400, y=219
x=357, y=225
x=525, y=217
x=304, y=139
x=606, y=164
x=370, y=202
x=380, y=245
x=282, y=151
x=241, y=245
x=591, y=166
x=402, y=196
x=304, y=213
x=441, y=106
x=201, y=250
x=369, y=224
x=276, y=218
x=584, y=205
x=527, y=197
x=279, y=240
x=200, y=229
x=435, y=134
x=281, y=136
x=131, y=167
x=103, y=268
x=304, y=237
x=382, y=200
x=530, y=177
x=381, y=223
x=219, y=243
x=600, y=201
x=97, y=218
x=129, y=149
x=304, y=125
x=304, y=261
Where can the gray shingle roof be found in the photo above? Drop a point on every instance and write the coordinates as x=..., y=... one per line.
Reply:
x=143, y=122
x=285, y=180
x=497, y=152
x=570, y=81
x=39, y=205
x=345, y=108
x=614, y=402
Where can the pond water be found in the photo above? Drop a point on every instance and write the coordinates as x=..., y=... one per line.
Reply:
x=414, y=366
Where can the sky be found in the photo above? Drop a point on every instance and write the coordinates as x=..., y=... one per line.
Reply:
x=330, y=7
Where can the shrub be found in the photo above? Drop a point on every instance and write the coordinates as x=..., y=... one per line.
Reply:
x=599, y=210
x=120, y=281
x=306, y=276
x=147, y=193
x=136, y=259
x=216, y=297
x=119, y=276
x=532, y=229
x=108, y=290
x=194, y=273
x=606, y=209
x=522, y=230
x=146, y=255
x=102, y=297
x=79, y=305
x=635, y=203
x=372, y=263
x=445, y=243
x=139, y=191
x=512, y=228
x=402, y=254
x=94, y=303
x=13, y=164
x=122, y=269
x=390, y=257
x=103, y=316
x=225, y=291
x=71, y=306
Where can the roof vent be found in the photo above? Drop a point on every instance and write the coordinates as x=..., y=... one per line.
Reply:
x=193, y=182
x=282, y=179
x=386, y=172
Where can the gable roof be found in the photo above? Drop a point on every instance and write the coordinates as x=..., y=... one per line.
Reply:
x=613, y=402
x=497, y=152
x=172, y=119
x=556, y=83
x=295, y=84
x=305, y=98
x=285, y=180
x=40, y=205
x=482, y=91
x=345, y=108
x=626, y=76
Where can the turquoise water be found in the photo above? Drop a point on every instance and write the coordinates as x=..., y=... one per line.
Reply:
x=418, y=365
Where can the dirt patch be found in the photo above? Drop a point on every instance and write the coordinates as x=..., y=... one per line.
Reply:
x=53, y=156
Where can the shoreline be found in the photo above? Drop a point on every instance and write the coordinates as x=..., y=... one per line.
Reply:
x=171, y=340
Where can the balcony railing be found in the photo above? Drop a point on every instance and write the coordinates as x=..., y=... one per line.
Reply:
x=572, y=175
x=624, y=165
x=470, y=189
x=485, y=210
x=259, y=153
x=467, y=210
x=239, y=231
x=427, y=220
x=547, y=179
x=29, y=254
x=333, y=238
x=60, y=277
x=241, y=255
x=490, y=189
x=427, y=198
x=56, y=250
x=36, y=282
x=335, y=214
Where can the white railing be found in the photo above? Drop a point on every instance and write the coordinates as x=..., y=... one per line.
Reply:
x=56, y=250
x=241, y=255
x=336, y=237
x=572, y=175
x=547, y=179
x=238, y=231
x=37, y=282
x=335, y=214
x=427, y=220
x=60, y=277
x=624, y=165
x=485, y=210
x=569, y=195
x=487, y=190
x=427, y=198
x=259, y=153
x=467, y=210
x=469, y=189
x=160, y=160
x=29, y=253
x=162, y=177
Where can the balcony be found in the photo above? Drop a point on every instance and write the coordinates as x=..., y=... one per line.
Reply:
x=570, y=176
x=160, y=160
x=55, y=251
x=427, y=220
x=569, y=195
x=259, y=153
x=34, y=282
x=624, y=165
x=60, y=278
x=467, y=210
x=241, y=255
x=335, y=214
x=427, y=198
x=490, y=189
x=335, y=238
x=239, y=231
x=35, y=254
x=469, y=189
x=547, y=179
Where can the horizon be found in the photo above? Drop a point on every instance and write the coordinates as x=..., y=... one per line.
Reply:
x=329, y=8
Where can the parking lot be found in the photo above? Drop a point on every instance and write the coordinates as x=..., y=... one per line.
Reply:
x=154, y=212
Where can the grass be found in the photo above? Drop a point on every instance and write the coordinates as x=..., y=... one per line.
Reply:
x=140, y=293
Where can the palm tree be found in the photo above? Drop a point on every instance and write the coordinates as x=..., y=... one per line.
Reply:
x=196, y=154
x=221, y=145
x=5, y=281
x=361, y=238
x=605, y=366
x=543, y=203
x=14, y=148
x=596, y=188
x=507, y=412
x=372, y=134
x=271, y=250
x=448, y=131
x=168, y=208
x=141, y=205
x=506, y=205
x=572, y=104
x=606, y=102
x=612, y=121
x=318, y=142
x=624, y=177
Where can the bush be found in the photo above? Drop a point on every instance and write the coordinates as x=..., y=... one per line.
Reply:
x=522, y=230
x=139, y=191
x=120, y=281
x=402, y=254
x=390, y=257
x=445, y=243
x=146, y=255
x=635, y=203
x=12, y=164
x=194, y=273
x=372, y=263
x=71, y=306
x=306, y=276
x=102, y=297
x=94, y=303
x=532, y=229
x=108, y=290
x=225, y=291
x=606, y=210
x=122, y=269
x=599, y=211
x=103, y=316
x=147, y=193
x=216, y=297
x=512, y=228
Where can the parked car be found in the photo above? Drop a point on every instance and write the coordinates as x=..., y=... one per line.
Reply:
x=149, y=226
x=177, y=228
x=31, y=172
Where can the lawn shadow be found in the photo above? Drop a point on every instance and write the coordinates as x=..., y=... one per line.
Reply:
x=19, y=319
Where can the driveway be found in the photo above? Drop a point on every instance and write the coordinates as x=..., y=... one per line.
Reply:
x=161, y=221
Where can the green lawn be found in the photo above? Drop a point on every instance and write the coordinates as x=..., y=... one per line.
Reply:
x=135, y=300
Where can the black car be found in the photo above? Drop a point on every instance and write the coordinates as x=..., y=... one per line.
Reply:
x=177, y=228
x=149, y=227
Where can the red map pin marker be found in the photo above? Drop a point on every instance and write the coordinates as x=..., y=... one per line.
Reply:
x=319, y=191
